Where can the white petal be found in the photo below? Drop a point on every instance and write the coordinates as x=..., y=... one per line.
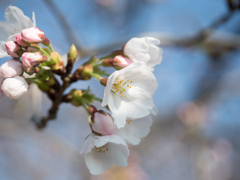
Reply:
x=119, y=112
x=34, y=20
x=90, y=142
x=137, y=48
x=144, y=78
x=3, y=51
x=118, y=154
x=15, y=17
x=12, y=37
x=154, y=110
x=96, y=162
x=135, y=130
x=5, y=31
x=138, y=103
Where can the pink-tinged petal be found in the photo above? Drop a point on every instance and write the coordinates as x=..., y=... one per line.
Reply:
x=13, y=49
x=120, y=62
x=33, y=35
x=11, y=68
x=102, y=123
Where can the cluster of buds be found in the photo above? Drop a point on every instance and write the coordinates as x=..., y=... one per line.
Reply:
x=26, y=46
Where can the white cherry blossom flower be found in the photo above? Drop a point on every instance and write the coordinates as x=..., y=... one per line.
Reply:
x=103, y=151
x=144, y=49
x=135, y=129
x=128, y=93
x=16, y=21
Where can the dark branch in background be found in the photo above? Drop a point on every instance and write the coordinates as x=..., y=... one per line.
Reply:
x=170, y=41
x=63, y=23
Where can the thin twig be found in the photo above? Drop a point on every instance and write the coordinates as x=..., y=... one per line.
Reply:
x=63, y=23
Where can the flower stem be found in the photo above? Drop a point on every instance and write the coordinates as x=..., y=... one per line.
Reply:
x=50, y=47
x=96, y=76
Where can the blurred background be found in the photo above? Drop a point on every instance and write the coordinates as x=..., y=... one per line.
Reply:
x=195, y=134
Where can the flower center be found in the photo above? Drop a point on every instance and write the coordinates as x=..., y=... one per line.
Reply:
x=120, y=87
x=129, y=121
x=101, y=149
x=16, y=31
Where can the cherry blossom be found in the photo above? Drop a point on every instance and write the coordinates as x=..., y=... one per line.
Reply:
x=144, y=49
x=103, y=151
x=128, y=93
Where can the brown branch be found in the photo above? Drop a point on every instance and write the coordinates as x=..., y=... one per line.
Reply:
x=52, y=113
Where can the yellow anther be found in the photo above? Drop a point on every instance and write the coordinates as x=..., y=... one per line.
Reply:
x=107, y=149
x=130, y=86
x=127, y=80
x=125, y=96
x=127, y=85
x=121, y=95
x=131, y=81
x=18, y=29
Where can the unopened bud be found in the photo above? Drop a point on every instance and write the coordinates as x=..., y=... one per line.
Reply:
x=102, y=123
x=87, y=70
x=11, y=68
x=56, y=61
x=72, y=54
x=107, y=62
x=76, y=97
x=33, y=35
x=46, y=42
x=14, y=87
x=32, y=60
x=13, y=49
x=103, y=81
x=20, y=41
x=91, y=109
x=120, y=62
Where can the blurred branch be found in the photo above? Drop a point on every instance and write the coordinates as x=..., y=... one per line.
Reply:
x=224, y=39
x=63, y=23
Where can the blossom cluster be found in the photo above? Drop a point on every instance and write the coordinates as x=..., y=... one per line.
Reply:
x=127, y=95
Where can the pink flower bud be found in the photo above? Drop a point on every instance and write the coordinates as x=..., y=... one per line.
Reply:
x=102, y=123
x=11, y=68
x=46, y=42
x=13, y=49
x=33, y=35
x=120, y=62
x=20, y=41
x=14, y=87
x=31, y=60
